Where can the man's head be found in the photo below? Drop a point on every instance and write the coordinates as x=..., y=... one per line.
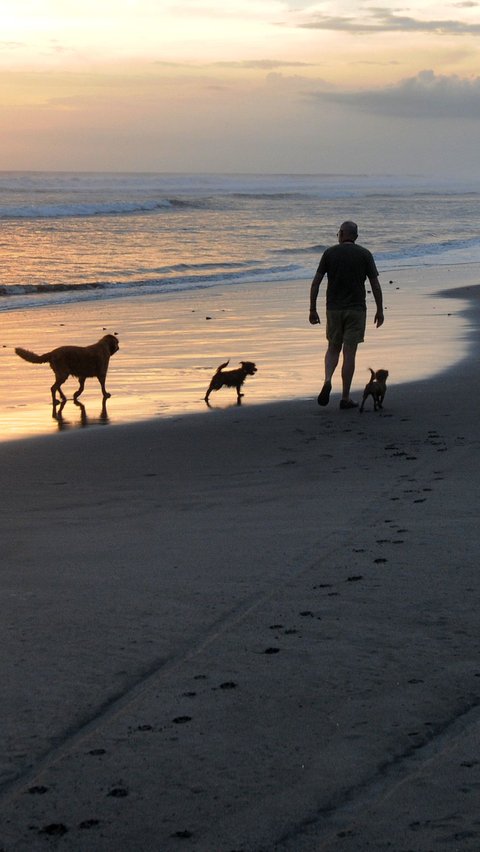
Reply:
x=348, y=232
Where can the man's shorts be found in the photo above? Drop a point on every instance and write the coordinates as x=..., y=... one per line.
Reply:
x=346, y=327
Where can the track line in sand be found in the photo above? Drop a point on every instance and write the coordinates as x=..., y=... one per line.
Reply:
x=378, y=788
x=148, y=681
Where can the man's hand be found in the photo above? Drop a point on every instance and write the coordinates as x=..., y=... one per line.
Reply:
x=378, y=319
x=313, y=318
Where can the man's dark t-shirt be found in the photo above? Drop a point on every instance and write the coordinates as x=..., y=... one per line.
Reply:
x=347, y=266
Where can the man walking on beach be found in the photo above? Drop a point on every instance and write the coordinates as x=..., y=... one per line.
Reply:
x=346, y=266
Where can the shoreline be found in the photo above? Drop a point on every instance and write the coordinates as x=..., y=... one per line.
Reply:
x=170, y=347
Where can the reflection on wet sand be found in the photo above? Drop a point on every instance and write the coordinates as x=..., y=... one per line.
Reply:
x=169, y=355
x=85, y=420
x=238, y=401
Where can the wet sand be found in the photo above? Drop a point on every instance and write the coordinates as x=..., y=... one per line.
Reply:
x=249, y=628
x=170, y=347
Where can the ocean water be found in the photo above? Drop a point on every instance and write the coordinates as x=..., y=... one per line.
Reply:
x=67, y=237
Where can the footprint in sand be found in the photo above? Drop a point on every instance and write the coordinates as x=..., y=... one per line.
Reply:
x=54, y=829
x=89, y=823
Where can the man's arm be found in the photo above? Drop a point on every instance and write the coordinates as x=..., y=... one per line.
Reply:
x=313, y=317
x=377, y=295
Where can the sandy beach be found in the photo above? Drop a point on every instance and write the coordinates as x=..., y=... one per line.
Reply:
x=171, y=345
x=249, y=628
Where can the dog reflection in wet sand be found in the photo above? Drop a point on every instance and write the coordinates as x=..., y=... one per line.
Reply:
x=85, y=420
x=231, y=378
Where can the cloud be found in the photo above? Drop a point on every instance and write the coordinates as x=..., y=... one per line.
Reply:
x=383, y=20
x=425, y=96
x=293, y=84
x=240, y=64
x=263, y=64
x=12, y=45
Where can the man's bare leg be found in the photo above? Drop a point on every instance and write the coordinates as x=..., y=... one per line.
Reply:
x=332, y=356
x=348, y=369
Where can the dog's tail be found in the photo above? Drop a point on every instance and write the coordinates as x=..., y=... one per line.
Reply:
x=373, y=374
x=222, y=366
x=32, y=357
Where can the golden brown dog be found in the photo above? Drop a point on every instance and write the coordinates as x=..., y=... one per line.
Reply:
x=80, y=361
x=231, y=378
x=376, y=388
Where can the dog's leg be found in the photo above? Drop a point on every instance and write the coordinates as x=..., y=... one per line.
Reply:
x=81, y=385
x=239, y=395
x=60, y=379
x=54, y=388
x=210, y=388
x=106, y=395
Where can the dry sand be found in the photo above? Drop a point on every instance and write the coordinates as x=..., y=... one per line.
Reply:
x=252, y=628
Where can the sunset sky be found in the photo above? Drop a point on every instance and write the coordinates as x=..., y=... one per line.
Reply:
x=240, y=86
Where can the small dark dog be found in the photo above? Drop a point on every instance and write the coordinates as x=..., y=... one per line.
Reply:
x=376, y=388
x=79, y=361
x=231, y=378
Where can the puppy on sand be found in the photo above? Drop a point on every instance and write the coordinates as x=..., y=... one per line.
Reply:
x=376, y=388
x=80, y=361
x=231, y=378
